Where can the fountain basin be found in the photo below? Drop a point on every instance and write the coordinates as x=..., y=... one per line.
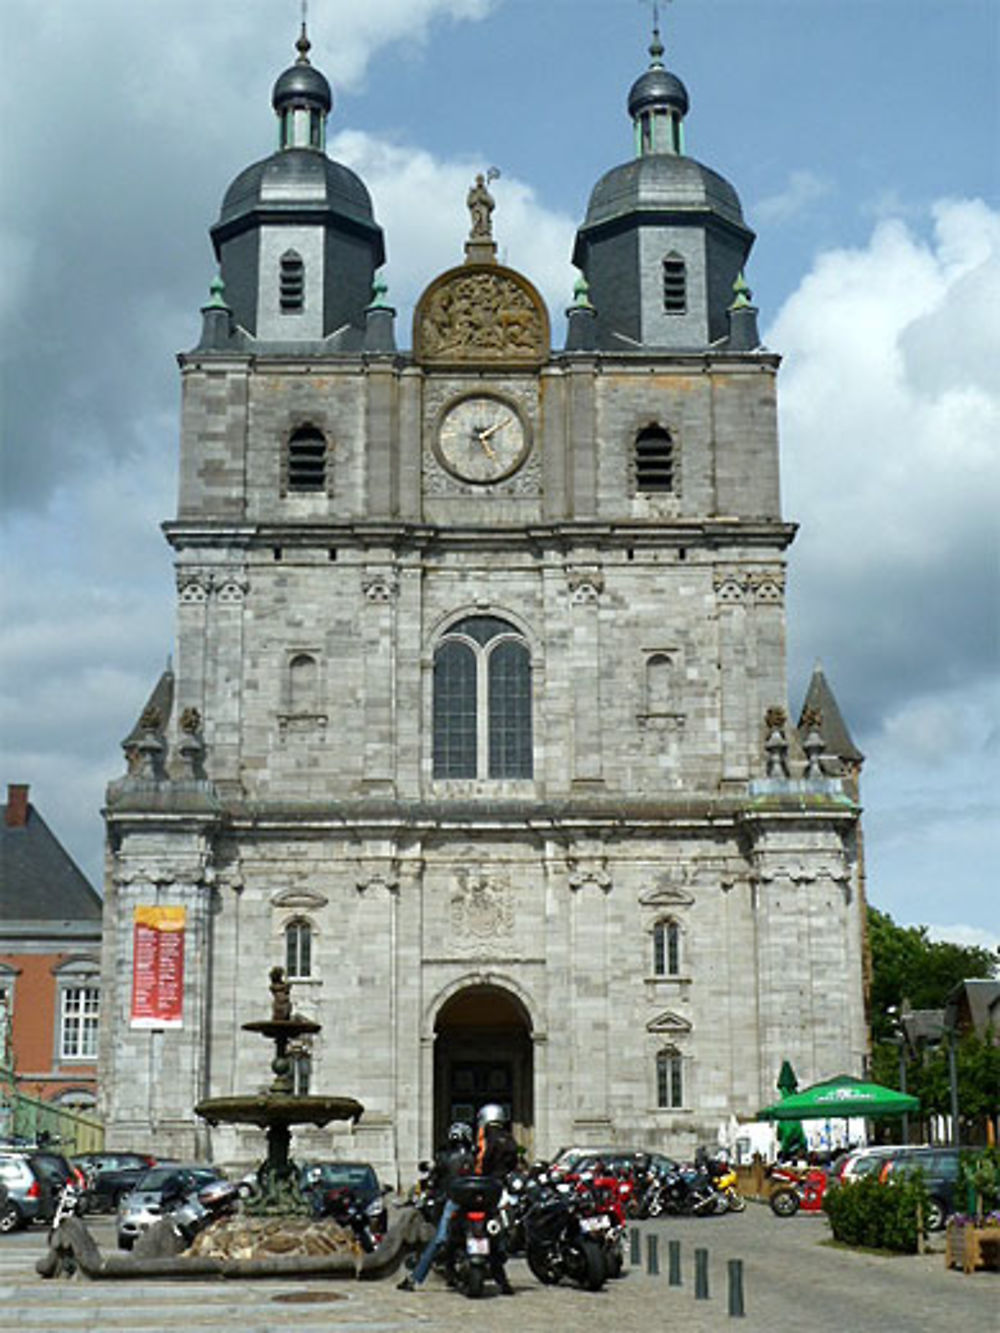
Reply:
x=273, y=1109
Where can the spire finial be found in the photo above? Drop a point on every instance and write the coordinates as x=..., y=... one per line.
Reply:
x=304, y=45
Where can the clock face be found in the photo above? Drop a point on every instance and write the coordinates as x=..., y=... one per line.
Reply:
x=481, y=438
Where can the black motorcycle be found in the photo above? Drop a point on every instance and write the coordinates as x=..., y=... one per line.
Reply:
x=472, y=1251
x=556, y=1244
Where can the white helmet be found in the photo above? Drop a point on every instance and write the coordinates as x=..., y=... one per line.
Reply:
x=490, y=1114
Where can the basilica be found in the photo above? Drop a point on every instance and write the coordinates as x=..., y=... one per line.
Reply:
x=477, y=720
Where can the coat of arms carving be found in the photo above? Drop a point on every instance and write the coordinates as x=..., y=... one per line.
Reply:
x=482, y=907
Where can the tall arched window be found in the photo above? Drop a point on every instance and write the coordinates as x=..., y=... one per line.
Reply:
x=666, y=949
x=674, y=285
x=669, y=1079
x=654, y=460
x=306, y=462
x=482, y=701
x=298, y=950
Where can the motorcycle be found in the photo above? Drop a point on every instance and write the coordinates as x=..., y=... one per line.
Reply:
x=687, y=1191
x=726, y=1182
x=560, y=1239
x=603, y=1203
x=792, y=1190
x=472, y=1249
x=193, y=1212
x=342, y=1205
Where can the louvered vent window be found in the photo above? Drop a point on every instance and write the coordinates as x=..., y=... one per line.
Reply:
x=292, y=280
x=307, y=460
x=674, y=285
x=654, y=460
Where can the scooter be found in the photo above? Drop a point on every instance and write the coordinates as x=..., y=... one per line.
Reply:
x=472, y=1249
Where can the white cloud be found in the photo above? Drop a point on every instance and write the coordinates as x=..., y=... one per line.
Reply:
x=422, y=198
x=968, y=936
x=802, y=190
x=890, y=416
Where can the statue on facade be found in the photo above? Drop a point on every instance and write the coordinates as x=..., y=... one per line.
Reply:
x=480, y=204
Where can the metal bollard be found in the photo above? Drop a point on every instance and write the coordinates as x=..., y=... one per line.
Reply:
x=701, y=1275
x=635, y=1237
x=652, y=1256
x=674, y=1263
x=735, y=1267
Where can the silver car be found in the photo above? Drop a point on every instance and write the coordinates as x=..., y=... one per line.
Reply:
x=154, y=1193
x=20, y=1191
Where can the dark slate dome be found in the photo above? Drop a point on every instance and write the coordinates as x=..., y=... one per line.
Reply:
x=303, y=84
x=297, y=179
x=657, y=87
x=661, y=182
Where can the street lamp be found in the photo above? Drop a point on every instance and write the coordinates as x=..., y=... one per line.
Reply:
x=899, y=1040
x=950, y=1025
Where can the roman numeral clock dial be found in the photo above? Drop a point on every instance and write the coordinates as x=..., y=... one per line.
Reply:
x=482, y=438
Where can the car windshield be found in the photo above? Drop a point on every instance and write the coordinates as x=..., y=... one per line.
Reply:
x=159, y=1176
x=337, y=1175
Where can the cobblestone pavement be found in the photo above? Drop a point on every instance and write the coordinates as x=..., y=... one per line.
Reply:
x=793, y=1280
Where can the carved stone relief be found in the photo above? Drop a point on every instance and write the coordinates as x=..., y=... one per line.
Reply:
x=482, y=906
x=481, y=314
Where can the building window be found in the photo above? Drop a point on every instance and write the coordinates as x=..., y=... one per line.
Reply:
x=482, y=702
x=6, y=1016
x=674, y=285
x=669, y=1079
x=659, y=684
x=307, y=460
x=666, y=949
x=80, y=1017
x=654, y=460
x=291, y=282
x=298, y=950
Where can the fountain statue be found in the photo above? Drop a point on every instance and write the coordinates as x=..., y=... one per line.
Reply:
x=278, y=1108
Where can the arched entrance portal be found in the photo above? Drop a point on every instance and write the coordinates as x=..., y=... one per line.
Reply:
x=483, y=1053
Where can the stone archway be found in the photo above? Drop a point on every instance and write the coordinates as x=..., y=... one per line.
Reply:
x=483, y=1052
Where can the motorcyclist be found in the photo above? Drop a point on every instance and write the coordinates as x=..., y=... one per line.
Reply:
x=455, y=1159
x=496, y=1156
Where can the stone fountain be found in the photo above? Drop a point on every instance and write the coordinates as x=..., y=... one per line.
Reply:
x=278, y=1108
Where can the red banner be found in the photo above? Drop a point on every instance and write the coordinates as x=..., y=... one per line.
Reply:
x=158, y=967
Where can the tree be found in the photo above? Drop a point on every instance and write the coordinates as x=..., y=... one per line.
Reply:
x=906, y=965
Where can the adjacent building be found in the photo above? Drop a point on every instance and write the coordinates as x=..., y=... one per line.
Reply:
x=50, y=963
x=478, y=719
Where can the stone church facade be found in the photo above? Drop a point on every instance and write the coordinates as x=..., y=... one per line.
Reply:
x=477, y=718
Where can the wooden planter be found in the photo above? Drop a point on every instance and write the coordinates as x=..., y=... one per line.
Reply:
x=970, y=1247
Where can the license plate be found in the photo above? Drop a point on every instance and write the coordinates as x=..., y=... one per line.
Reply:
x=594, y=1223
x=477, y=1245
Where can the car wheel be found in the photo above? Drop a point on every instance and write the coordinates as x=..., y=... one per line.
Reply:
x=10, y=1218
x=936, y=1215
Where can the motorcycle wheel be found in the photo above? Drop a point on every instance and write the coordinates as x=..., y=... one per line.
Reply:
x=736, y=1201
x=721, y=1204
x=592, y=1270
x=545, y=1264
x=473, y=1284
x=614, y=1261
x=655, y=1207
x=784, y=1203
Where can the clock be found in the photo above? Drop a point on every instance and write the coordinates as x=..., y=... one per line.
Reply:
x=482, y=438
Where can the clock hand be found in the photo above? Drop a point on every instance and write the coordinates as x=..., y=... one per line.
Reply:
x=491, y=430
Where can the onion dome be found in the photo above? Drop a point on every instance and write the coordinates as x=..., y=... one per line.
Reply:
x=657, y=87
x=301, y=84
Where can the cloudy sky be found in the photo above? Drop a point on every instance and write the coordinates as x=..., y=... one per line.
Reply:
x=862, y=136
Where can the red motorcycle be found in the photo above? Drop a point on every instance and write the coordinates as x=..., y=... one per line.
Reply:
x=792, y=1190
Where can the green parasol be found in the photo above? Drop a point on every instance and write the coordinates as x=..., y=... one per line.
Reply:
x=791, y=1135
x=842, y=1096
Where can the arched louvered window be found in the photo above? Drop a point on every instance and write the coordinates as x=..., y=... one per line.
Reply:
x=482, y=702
x=674, y=285
x=298, y=950
x=666, y=949
x=291, y=282
x=307, y=460
x=654, y=460
x=669, y=1079
x=303, y=678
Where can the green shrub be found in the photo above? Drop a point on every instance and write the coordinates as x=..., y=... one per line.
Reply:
x=879, y=1217
x=978, y=1184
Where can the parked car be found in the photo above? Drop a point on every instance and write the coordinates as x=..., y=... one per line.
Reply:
x=865, y=1162
x=146, y=1202
x=318, y=1180
x=30, y=1182
x=939, y=1168
x=110, y=1176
